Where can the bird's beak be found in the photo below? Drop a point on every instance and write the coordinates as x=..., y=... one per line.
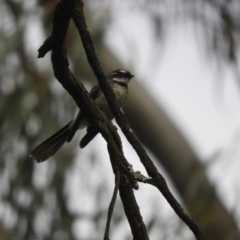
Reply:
x=131, y=76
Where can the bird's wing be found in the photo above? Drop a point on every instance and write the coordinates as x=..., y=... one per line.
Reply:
x=94, y=93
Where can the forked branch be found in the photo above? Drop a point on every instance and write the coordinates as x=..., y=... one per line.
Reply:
x=96, y=118
x=65, y=10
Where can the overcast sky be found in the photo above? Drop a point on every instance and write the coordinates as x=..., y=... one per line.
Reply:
x=202, y=100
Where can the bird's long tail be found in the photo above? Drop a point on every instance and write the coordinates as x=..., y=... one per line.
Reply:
x=50, y=146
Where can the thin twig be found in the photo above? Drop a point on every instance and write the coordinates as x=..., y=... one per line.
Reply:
x=46, y=47
x=112, y=203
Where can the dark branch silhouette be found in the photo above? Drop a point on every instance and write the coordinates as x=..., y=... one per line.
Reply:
x=112, y=203
x=152, y=171
x=95, y=117
x=74, y=9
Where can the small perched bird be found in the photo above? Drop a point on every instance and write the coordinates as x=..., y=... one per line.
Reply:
x=118, y=80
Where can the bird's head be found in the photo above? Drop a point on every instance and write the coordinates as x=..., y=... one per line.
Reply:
x=120, y=76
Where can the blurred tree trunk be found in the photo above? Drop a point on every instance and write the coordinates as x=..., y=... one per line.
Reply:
x=156, y=131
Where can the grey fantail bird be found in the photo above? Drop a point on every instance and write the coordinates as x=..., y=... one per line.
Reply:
x=118, y=80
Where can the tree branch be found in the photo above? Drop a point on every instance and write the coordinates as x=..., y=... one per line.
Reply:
x=95, y=117
x=78, y=18
x=74, y=9
x=112, y=203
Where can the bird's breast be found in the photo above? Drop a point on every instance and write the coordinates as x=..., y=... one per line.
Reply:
x=121, y=96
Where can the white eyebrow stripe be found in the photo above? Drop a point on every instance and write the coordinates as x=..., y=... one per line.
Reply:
x=122, y=71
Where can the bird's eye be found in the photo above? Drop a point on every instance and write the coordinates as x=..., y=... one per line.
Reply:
x=120, y=74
